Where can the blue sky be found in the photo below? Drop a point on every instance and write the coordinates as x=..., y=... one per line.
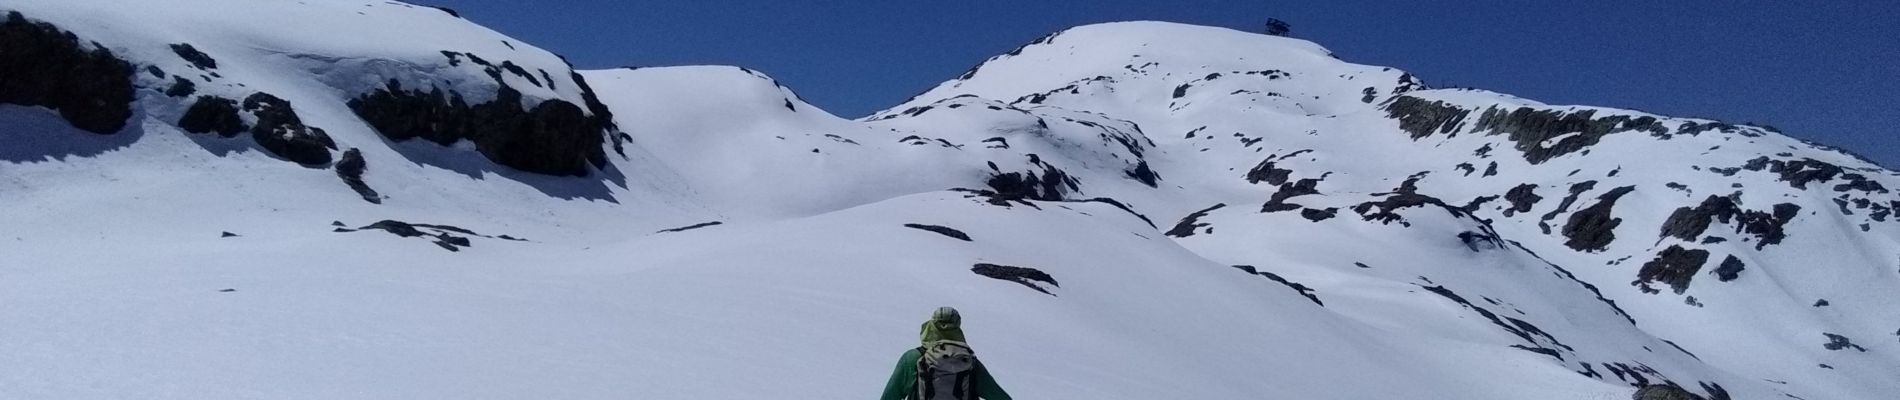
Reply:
x=1822, y=70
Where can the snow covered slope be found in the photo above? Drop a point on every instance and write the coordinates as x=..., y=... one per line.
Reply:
x=424, y=208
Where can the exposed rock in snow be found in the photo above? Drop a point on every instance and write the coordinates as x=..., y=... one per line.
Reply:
x=1030, y=277
x=43, y=65
x=959, y=235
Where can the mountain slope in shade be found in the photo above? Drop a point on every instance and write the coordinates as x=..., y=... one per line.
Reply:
x=1128, y=210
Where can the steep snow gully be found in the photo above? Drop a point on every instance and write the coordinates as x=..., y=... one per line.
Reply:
x=373, y=199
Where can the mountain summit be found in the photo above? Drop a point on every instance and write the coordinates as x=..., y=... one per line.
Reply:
x=373, y=199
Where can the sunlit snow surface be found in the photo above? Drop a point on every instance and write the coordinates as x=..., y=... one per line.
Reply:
x=115, y=281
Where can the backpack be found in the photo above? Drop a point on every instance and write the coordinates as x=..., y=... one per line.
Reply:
x=946, y=370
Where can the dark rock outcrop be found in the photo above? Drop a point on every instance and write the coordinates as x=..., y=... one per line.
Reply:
x=1688, y=223
x=1422, y=118
x=1277, y=202
x=1124, y=207
x=1296, y=286
x=1052, y=185
x=1523, y=330
x=1025, y=276
x=1768, y=227
x=44, y=66
x=1797, y=173
x=1531, y=128
x=351, y=168
x=181, y=88
x=280, y=131
x=1730, y=269
x=212, y=114
x=1141, y=173
x=1576, y=190
x=946, y=231
x=197, y=58
x=692, y=227
x=1838, y=342
x=1523, y=198
x=1675, y=267
x=1385, y=211
x=1317, y=215
x=555, y=137
x=1594, y=228
x=1716, y=392
x=1190, y=224
x=1269, y=172
x=1664, y=392
x=447, y=237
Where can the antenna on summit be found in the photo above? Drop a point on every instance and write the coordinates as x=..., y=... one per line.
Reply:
x=1276, y=27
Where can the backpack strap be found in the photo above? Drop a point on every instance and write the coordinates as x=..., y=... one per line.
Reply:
x=921, y=387
x=963, y=389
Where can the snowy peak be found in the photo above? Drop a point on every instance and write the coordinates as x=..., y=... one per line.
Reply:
x=1143, y=63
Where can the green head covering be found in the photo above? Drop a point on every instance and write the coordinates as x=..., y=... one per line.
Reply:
x=944, y=324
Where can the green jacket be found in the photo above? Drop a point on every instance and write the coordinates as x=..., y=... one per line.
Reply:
x=903, y=381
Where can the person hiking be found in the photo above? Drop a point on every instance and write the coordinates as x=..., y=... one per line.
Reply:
x=944, y=368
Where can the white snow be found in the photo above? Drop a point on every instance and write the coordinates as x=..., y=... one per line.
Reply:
x=115, y=282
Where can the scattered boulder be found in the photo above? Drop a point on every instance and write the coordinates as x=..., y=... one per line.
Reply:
x=42, y=65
